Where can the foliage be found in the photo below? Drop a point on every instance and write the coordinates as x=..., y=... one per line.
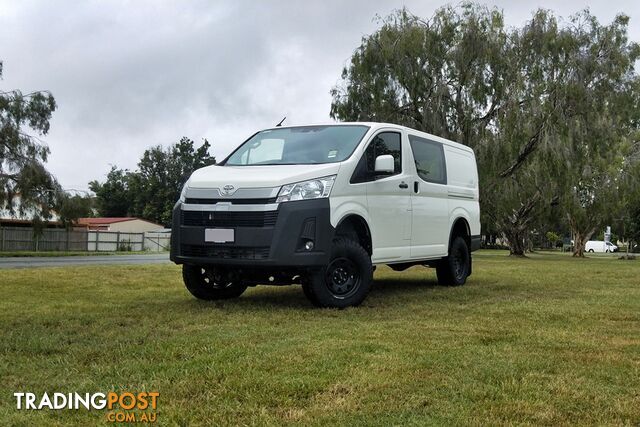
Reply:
x=446, y=75
x=157, y=183
x=113, y=197
x=151, y=191
x=22, y=155
x=70, y=207
x=552, y=237
x=599, y=98
x=633, y=230
x=631, y=209
x=633, y=227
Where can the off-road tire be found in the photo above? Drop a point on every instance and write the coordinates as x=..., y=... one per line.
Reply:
x=454, y=269
x=200, y=284
x=345, y=281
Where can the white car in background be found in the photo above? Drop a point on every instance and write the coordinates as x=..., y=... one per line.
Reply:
x=600, y=246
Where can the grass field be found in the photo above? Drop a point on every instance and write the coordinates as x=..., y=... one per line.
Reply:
x=546, y=340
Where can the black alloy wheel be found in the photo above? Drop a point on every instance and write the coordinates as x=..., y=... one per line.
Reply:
x=345, y=281
x=342, y=278
x=211, y=283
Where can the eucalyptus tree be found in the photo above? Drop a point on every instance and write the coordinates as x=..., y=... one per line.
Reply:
x=574, y=110
x=522, y=161
x=23, y=118
x=599, y=100
x=445, y=75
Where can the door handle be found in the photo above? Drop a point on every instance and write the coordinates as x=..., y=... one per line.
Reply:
x=403, y=185
x=416, y=186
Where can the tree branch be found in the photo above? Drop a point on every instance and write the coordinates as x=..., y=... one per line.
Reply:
x=12, y=177
x=529, y=147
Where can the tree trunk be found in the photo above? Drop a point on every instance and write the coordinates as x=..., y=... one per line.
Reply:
x=516, y=238
x=516, y=226
x=580, y=239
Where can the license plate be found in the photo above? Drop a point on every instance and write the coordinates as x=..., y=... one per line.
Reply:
x=219, y=235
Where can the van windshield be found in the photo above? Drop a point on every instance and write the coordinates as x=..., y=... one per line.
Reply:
x=306, y=145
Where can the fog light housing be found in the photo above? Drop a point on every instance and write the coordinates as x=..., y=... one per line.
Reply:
x=307, y=239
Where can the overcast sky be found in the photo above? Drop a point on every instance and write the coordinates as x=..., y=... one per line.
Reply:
x=128, y=75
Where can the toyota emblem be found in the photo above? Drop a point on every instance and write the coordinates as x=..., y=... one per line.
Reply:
x=228, y=190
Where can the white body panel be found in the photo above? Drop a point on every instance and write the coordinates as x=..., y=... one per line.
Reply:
x=462, y=187
x=408, y=217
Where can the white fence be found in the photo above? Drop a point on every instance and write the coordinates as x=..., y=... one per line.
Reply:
x=157, y=242
x=24, y=239
x=106, y=241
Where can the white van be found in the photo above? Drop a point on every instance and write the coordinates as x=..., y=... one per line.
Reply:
x=600, y=246
x=319, y=205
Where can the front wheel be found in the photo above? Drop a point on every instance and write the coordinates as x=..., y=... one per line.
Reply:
x=211, y=283
x=590, y=250
x=346, y=281
x=454, y=269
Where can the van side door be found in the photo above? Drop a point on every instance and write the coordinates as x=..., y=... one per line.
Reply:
x=388, y=196
x=429, y=199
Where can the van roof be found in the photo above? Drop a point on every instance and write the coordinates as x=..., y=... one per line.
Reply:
x=379, y=125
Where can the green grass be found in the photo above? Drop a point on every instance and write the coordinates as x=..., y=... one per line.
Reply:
x=546, y=340
x=30, y=254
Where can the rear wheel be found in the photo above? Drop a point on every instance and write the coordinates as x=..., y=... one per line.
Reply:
x=590, y=250
x=454, y=269
x=346, y=281
x=211, y=283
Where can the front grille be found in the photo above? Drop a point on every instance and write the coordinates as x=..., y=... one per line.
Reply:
x=200, y=201
x=230, y=219
x=224, y=252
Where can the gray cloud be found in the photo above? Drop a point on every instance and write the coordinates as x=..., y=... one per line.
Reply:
x=131, y=74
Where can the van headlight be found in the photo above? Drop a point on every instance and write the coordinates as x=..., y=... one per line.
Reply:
x=305, y=190
x=183, y=193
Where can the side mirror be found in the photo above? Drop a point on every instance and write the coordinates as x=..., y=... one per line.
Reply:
x=384, y=164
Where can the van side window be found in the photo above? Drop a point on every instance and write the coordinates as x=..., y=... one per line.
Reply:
x=382, y=143
x=429, y=158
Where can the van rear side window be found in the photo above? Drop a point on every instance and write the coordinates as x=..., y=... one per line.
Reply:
x=429, y=159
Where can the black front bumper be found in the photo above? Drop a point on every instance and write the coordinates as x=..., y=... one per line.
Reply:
x=262, y=239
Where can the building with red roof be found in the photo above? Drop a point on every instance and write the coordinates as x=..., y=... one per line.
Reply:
x=122, y=224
